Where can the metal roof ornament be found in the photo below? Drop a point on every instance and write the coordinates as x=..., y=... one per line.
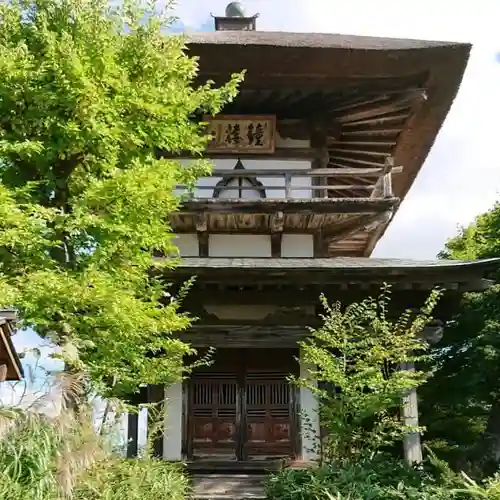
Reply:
x=235, y=9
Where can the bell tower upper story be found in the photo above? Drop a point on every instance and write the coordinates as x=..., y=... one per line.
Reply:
x=323, y=142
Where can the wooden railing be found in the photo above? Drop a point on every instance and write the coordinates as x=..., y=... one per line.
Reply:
x=279, y=184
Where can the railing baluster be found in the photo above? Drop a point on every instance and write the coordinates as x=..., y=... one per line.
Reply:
x=380, y=184
x=387, y=178
x=288, y=185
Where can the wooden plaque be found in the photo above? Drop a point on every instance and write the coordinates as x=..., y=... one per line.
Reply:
x=246, y=134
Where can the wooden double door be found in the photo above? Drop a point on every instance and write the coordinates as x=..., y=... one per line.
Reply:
x=242, y=407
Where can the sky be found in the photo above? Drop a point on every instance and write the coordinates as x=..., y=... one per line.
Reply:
x=461, y=177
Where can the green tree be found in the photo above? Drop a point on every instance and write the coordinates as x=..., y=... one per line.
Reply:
x=461, y=405
x=356, y=354
x=89, y=92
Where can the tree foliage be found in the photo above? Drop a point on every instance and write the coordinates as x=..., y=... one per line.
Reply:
x=364, y=358
x=461, y=406
x=479, y=240
x=89, y=92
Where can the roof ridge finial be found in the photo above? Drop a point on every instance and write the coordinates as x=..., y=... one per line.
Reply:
x=235, y=9
x=235, y=19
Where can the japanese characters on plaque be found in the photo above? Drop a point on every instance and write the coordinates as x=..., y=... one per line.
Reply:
x=241, y=134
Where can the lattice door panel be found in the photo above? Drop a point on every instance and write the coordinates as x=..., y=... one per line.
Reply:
x=214, y=401
x=268, y=415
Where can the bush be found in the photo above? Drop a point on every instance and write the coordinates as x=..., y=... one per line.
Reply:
x=142, y=479
x=63, y=458
x=356, y=354
x=381, y=479
x=487, y=490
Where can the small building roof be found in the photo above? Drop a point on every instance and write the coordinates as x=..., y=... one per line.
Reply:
x=10, y=363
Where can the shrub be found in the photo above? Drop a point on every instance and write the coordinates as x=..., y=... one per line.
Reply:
x=489, y=489
x=380, y=479
x=142, y=479
x=356, y=354
x=62, y=457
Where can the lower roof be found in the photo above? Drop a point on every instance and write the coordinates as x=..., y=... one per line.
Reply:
x=464, y=275
x=336, y=263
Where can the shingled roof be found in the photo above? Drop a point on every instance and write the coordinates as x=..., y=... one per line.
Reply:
x=451, y=274
x=338, y=264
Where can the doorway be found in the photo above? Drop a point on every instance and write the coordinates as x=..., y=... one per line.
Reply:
x=242, y=407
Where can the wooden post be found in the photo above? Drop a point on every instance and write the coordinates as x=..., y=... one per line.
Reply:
x=132, y=435
x=387, y=178
x=288, y=186
x=411, y=441
x=319, y=142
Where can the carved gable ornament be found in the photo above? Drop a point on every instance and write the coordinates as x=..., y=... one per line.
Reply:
x=246, y=134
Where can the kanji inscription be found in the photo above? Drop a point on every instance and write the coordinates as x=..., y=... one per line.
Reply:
x=241, y=134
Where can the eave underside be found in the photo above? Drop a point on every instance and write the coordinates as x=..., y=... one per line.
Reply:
x=342, y=226
x=274, y=302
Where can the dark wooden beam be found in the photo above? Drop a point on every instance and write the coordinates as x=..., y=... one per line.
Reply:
x=320, y=244
x=276, y=225
x=279, y=154
x=300, y=129
x=320, y=206
x=248, y=336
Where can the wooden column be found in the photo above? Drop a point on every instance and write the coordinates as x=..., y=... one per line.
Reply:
x=202, y=232
x=411, y=441
x=319, y=141
x=276, y=224
x=133, y=424
x=132, y=435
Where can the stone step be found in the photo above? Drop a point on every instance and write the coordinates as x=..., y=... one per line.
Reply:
x=228, y=487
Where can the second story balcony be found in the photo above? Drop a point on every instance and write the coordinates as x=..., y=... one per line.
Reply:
x=263, y=199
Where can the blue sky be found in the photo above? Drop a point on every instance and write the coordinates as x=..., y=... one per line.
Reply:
x=461, y=176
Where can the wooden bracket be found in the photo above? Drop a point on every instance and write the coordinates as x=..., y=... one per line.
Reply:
x=201, y=222
x=276, y=225
x=277, y=222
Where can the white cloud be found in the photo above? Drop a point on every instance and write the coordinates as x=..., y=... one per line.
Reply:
x=461, y=176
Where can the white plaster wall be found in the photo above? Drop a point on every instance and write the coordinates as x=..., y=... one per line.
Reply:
x=297, y=245
x=172, y=439
x=277, y=183
x=239, y=245
x=187, y=245
x=309, y=418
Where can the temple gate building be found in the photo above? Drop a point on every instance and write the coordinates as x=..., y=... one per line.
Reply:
x=311, y=162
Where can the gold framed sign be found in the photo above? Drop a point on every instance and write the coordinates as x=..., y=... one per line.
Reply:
x=247, y=134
